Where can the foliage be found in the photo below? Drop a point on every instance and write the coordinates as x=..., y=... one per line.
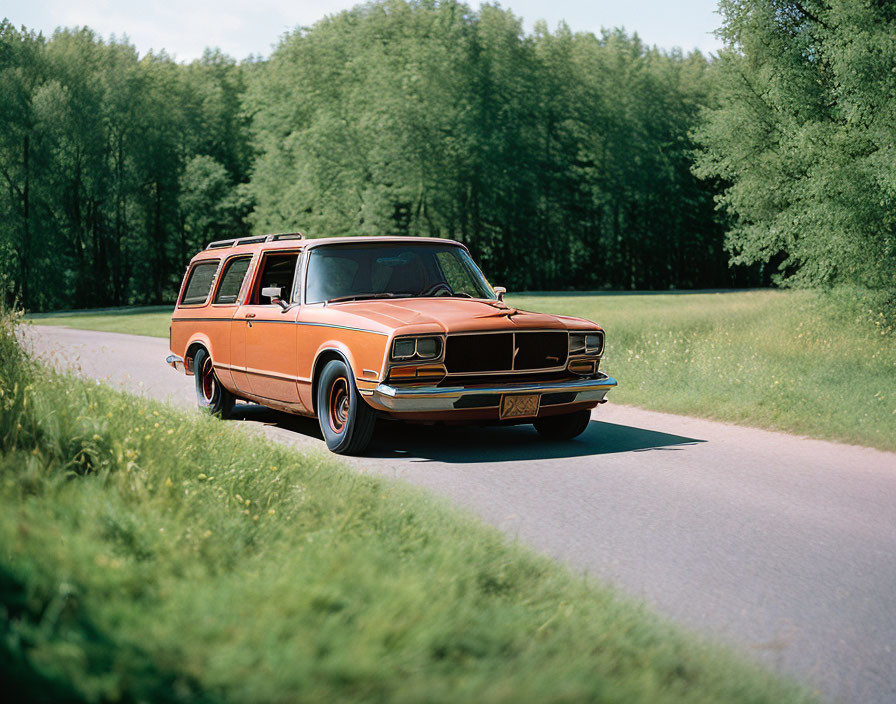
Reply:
x=804, y=133
x=113, y=167
x=148, y=555
x=563, y=160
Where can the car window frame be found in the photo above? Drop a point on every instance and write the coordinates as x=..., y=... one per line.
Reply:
x=190, y=271
x=259, y=268
x=220, y=278
x=459, y=245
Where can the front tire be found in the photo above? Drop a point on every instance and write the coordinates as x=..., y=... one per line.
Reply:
x=211, y=396
x=564, y=427
x=346, y=420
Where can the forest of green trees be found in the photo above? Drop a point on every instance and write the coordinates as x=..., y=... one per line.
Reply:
x=564, y=160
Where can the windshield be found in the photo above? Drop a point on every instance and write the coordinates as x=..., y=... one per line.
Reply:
x=389, y=270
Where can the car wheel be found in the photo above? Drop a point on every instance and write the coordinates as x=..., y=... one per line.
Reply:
x=346, y=420
x=210, y=394
x=564, y=427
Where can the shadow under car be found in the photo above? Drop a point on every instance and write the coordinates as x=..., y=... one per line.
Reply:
x=460, y=444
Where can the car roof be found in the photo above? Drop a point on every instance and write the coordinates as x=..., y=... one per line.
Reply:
x=250, y=245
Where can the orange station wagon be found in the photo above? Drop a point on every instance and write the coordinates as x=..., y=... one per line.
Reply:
x=351, y=328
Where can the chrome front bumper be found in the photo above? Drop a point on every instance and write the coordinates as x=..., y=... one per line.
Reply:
x=417, y=399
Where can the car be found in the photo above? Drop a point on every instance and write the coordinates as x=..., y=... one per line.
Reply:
x=351, y=329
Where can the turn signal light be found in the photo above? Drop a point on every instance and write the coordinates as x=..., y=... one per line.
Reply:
x=418, y=373
x=582, y=366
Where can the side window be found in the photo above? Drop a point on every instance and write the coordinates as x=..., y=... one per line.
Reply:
x=277, y=270
x=199, y=284
x=232, y=280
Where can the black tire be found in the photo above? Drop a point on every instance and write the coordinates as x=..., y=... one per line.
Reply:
x=211, y=396
x=346, y=420
x=564, y=427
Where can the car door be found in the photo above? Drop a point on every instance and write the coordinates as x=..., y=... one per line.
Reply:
x=269, y=332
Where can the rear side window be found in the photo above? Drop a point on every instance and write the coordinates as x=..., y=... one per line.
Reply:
x=232, y=280
x=199, y=284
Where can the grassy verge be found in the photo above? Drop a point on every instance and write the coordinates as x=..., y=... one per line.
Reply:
x=786, y=360
x=151, y=321
x=150, y=555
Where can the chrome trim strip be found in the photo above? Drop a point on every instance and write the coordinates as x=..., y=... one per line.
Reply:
x=342, y=327
x=290, y=322
x=272, y=375
x=509, y=372
x=201, y=320
x=435, y=398
x=504, y=331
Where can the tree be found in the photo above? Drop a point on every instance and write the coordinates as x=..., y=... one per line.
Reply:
x=804, y=135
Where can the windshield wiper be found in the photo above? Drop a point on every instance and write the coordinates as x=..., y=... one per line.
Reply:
x=363, y=296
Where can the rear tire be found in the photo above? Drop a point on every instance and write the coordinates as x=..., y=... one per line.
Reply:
x=346, y=420
x=564, y=427
x=211, y=396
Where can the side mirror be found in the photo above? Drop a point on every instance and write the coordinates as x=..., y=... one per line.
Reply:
x=500, y=291
x=274, y=293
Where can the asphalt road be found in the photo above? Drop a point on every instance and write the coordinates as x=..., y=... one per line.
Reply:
x=782, y=546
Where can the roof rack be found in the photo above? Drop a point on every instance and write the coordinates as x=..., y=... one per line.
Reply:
x=221, y=244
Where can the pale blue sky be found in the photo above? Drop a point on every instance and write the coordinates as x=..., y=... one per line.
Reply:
x=244, y=27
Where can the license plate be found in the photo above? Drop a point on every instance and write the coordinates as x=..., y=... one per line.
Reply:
x=519, y=406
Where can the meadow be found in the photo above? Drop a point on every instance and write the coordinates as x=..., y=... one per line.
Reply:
x=148, y=554
x=798, y=361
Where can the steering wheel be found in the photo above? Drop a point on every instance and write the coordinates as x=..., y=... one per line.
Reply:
x=436, y=288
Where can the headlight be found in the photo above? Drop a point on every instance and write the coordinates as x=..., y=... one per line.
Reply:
x=586, y=343
x=576, y=343
x=429, y=347
x=404, y=349
x=407, y=348
x=594, y=344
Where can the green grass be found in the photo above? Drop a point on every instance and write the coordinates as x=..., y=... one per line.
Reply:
x=151, y=555
x=788, y=360
x=151, y=321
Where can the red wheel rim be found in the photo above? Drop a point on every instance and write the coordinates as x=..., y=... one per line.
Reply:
x=207, y=376
x=338, y=404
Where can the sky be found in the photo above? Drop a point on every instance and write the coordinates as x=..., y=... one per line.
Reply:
x=252, y=27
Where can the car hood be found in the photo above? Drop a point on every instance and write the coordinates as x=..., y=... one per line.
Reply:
x=455, y=315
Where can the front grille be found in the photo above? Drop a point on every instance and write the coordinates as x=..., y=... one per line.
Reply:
x=479, y=353
x=504, y=379
x=541, y=350
x=506, y=351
